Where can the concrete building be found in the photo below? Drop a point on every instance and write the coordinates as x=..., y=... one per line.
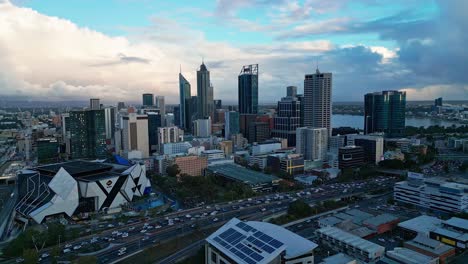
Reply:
x=312, y=143
x=408, y=256
x=381, y=223
x=255, y=242
x=191, y=165
x=213, y=154
x=202, y=127
x=432, y=193
x=350, y=244
x=170, y=135
x=248, y=89
x=161, y=105
x=289, y=164
x=339, y=258
x=135, y=134
x=317, y=100
x=453, y=232
x=431, y=248
x=259, y=132
x=373, y=146
x=350, y=157
x=265, y=147
x=175, y=148
x=227, y=147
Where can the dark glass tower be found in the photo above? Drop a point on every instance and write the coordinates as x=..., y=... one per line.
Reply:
x=385, y=112
x=88, y=134
x=154, y=123
x=148, y=99
x=287, y=119
x=184, y=96
x=248, y=89
x=204, y=93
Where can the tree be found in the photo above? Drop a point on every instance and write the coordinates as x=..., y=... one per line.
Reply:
x=30, y=256
x=300, y=209
x=173, y=170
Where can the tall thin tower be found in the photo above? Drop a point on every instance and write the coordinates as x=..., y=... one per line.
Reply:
x=205, y=102
x=184, y=96
x=248, y=89
x=317, y=100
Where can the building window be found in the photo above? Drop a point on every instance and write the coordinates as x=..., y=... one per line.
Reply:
x=213, y=257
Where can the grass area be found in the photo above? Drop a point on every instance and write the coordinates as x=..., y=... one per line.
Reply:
x=159, y=251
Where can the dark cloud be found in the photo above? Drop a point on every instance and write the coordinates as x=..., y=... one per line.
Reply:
x=122, y=59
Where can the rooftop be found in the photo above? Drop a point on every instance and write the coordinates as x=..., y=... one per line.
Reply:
x=457, y=223
x=351, y=239
x=408, y=256
x=339, y=258
x=428, y=244
x=239, y=173
x=258, y=242
x=380, y=219
x=422, y=224
x=330, y=221
x=76, y=169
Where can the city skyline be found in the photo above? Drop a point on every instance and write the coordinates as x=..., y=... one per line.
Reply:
x=395, y=48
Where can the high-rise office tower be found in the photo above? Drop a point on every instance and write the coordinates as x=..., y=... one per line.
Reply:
x=110, y=114
x=161, y=105
x=218, y=104
x=259, y=132
x=148, y=99
x=291, y=91
x=154, y=123
x=135, y=134
x=176, y=113
x=312, y=143
x=87, y=134
x=231, y=124
x=385, y=112
x=202, y=127
x=120, y=105
x=205, y=103
x=288, y=117
x=317, y=100
x=94, y=104
x=184, y=101
x=438, y=101
x=248, y=89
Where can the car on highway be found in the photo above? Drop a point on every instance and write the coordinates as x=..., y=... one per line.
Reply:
x=215, y=219
x=131, y=228
x=143, y=231
x=76, y=247
x=66, y=250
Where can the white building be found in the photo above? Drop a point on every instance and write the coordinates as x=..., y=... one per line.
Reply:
x=161, y=105
x=350, y=244
x=255, y=242
x=265, y=148
x=170, y=135
x=213, y=154
x=432, y=193
x=175, y=148
x=202, y=127
x=135, y=134
x=312, y=143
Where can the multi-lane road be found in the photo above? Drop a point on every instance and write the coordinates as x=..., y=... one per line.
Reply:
x=134, y=237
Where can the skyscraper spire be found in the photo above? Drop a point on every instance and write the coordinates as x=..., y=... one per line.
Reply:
x=180, y=71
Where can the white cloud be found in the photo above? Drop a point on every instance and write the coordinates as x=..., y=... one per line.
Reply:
x=387, y=54
x=434, y=91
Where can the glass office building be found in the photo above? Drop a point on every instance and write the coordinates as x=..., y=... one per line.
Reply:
x=248, y=89
x=385, y=112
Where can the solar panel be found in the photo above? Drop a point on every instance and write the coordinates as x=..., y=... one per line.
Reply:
x=250, y=239
x=256, y=256
x=250, y=261
x=266, y=238
x=258, y=243
x=227, y=233
x=268, y=248
x=275, y=243
x=245, y=227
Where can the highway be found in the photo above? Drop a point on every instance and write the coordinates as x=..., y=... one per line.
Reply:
x=148, y=232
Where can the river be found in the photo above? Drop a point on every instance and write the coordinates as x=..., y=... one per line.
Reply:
x=356, y=121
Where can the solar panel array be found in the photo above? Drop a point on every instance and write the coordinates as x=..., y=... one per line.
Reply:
x=251, y=249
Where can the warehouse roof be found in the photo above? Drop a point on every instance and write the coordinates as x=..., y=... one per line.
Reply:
x=239, y=173
x=422, y=224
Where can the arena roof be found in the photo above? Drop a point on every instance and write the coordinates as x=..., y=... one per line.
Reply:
x=77, y=169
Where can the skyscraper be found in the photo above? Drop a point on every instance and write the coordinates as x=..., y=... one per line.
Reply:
x=312, y=143
x=231, y=124
x=161, y=105
x=438, y=102
x=204, y=93
x=120, y=105
x=148, y=99
x=87, y=134
x=288, y=117
x=184, y=101
x=291, y=91
x=317, y=100
x=202, y=127
x=109, y=113
x=218, y=104
x=154, y=123
x=248, y=89
x=385, y=112
x=94, y=104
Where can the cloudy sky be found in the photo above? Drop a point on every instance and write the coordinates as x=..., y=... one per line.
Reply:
x=117, y=50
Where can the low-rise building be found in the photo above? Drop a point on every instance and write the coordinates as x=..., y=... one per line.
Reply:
x=213, y=154
x=382, y=223
x=431, y=247
x=191, y=165
x=407, y=256
x=453, y=232
x=339, y=258
x=255, y=242
x=350, y=157
x=350, y=244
